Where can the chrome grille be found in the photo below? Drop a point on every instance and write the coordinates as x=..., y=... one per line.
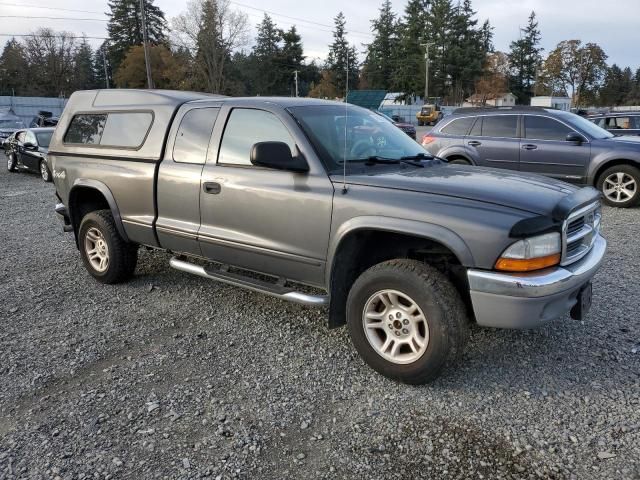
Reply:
x=579, y=232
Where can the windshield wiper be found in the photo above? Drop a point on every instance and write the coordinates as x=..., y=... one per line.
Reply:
x=378, y=160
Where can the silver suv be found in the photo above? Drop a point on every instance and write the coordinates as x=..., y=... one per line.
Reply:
x=549, y=142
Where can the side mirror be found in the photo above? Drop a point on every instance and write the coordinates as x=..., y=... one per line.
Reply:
x=575, y=138
x=30, y=146
x=277, y=155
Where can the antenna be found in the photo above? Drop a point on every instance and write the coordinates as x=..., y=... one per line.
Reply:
x=346, y=115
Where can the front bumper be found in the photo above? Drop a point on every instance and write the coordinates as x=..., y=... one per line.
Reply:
x=527, y=300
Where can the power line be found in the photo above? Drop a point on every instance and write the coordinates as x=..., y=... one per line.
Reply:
x=56, y=18
x=51, y=8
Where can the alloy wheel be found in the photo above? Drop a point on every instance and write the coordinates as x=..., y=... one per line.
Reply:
x=395, y=326
x=44, y=171
x=619, y=187
x=97, y=250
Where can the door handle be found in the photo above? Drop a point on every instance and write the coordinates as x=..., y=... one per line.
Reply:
x=211, y=187
x=474, y=143
x=528, y=146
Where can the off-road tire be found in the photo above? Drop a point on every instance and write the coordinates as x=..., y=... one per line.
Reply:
x=439, y=301
x=123, y=256
x=629, y=172
x=459, y=161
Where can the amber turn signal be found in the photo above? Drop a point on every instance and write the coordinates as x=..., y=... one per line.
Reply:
x=427, y=139
x=527, y=264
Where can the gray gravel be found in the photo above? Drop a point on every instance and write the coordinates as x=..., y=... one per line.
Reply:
x=172, y=376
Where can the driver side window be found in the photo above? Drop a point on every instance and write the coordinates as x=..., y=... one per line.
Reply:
x=246, y=127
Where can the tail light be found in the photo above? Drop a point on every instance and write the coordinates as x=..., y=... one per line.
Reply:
x=427, y=139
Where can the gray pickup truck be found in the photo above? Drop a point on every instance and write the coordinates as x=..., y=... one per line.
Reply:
x=324, y=204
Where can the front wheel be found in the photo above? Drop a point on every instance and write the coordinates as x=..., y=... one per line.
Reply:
x=44, y=171
x=11, y=162
x=619, y=186
x=406, y=320
x=105, y=254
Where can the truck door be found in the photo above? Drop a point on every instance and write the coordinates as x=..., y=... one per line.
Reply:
x=271, y=221
x=179, y=175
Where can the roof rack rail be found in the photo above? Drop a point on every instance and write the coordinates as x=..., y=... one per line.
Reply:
x=516, y=108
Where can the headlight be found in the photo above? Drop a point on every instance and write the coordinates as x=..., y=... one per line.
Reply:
x=532, y=253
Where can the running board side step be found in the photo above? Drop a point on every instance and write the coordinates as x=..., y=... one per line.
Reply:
x=249, y=283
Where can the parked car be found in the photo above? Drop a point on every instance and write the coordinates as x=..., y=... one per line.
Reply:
x=279, y=192
x=27, y=150
x=8, y=127
x=405, y=127
x=429, y=115
x=44, y=119
x=619, y=123
x=550, y=142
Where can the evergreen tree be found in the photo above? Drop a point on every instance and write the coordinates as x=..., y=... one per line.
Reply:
x=125, y=27
x=380, y=63
x=212, y=55
x=341, y=55
x=100, y=58
x=85, y=76
x=291, y=58
x=525, y=58
x=440, y=20
x=267, y=58
x=13, y=69
x=408, y=58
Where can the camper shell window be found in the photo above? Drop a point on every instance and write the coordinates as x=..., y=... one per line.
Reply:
x=112, y=129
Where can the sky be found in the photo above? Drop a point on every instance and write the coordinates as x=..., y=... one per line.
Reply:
x=612, y=25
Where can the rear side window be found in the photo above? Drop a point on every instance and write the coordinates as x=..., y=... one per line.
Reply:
x=194, y=133
x=542, y=128
x=116, y=129
x=247, y=127
x=460, y=126
x=500, y=126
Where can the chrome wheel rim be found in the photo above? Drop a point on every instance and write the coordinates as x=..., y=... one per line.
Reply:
x=95, y=246
x=9, y=162
x=43, y=171
x=395, y=326
x=619, y=187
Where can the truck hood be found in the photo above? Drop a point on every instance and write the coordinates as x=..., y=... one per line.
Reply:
x=528, y=192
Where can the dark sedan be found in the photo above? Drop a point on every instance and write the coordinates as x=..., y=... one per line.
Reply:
x=405, y=127
x=26, y=150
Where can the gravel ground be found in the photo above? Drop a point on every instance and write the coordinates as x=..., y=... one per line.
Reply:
x=172, y=376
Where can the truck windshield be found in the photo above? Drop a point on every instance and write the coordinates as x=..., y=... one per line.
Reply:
x=426, y=110
x=353, y=134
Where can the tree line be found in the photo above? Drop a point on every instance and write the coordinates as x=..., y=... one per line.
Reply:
x=207, y=48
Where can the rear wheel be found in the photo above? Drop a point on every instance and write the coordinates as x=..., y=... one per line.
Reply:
x=44, y=171
x=619, y=186
x=11, y=162
x=406, y=320
x=420, y=123
x=105, y=254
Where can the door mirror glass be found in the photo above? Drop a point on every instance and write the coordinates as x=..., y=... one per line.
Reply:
x=575, y=138
x=277, y=155
x=30, y=146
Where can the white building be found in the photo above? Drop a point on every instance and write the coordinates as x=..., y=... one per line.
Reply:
x=559, y=103
x=507, y=99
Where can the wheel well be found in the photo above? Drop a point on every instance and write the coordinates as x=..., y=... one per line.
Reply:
x=612, y=163
x=83, y=200
x=459, y=157
x=363, y=249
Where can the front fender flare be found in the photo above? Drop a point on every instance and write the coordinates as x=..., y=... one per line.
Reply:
x=425, y=230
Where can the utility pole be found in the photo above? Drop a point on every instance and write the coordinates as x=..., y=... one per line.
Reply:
x=145, y=46
x=295, y=73
x=104, y=64
x=426, y=76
